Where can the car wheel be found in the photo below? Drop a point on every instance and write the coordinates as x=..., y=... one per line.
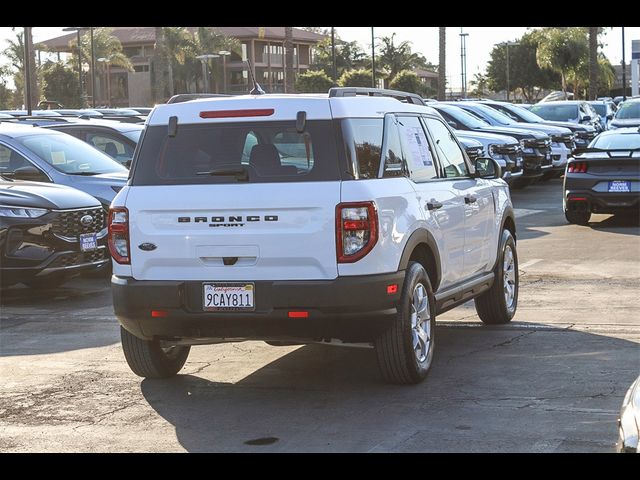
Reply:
x=498, y=304
x=578, y=217
x=150, y=358
x=405, y=350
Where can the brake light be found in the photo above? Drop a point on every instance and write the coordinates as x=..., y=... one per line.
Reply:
x=577, y=167
x=119, y=235
x=260, y=112
x=356, y=230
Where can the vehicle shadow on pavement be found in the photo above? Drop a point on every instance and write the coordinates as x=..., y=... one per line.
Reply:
x=73, y=316
x=532, y=388
x=624, y=224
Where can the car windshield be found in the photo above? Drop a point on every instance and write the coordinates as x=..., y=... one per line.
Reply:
x=628, y=111
x=561, y=113
x=69, y=155
x=133, y=135
x=622, y=140
x=463, y=117
x=601, y=108
x=525, y=114
x=496, y=116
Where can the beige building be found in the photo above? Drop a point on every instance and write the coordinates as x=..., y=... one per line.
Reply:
x=264, y=46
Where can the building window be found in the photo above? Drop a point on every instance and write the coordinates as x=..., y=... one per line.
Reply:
x=141, y=68
x=132, y=51
x=276, y=53
x=260, y=48
x=304, y=55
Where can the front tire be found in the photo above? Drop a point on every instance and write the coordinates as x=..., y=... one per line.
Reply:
x=149, y=359
x=498, y=304
x=405, y=350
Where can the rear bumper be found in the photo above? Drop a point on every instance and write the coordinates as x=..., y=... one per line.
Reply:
x=348, y=308
x=579, y=194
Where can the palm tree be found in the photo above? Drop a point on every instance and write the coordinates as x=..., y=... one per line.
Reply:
x=15, y=53
x=209, y=40
x=160, y=68
x=442, y=63
x=394, y=58
x=593, y=63
x=288, y=61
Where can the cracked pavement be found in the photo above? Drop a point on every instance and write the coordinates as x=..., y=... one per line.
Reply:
x=551, y=381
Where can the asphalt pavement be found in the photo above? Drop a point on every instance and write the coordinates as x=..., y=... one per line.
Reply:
x=551, y=381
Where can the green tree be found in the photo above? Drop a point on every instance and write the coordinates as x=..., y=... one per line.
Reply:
x=106, y=45
x=395, y=58
x=442, y=62
x=524, y=72
x=212, y=40
x=181, y=49
x=313, y=81
x=60, y=83
x=349, y=56
x=408, y=81
x=14, y=52
x=563, y=50
x=480, y=84
x=6, y=94
x=356, y=78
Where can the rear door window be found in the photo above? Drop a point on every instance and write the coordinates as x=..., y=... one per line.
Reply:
x=416, y=148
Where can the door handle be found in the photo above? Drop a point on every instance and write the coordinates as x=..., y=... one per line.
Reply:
x=434, y=205
x=470, y=199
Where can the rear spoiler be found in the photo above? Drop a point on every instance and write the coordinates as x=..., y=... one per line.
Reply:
x=610, y=152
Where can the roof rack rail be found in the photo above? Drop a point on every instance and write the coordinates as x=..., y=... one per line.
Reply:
x=376, y=92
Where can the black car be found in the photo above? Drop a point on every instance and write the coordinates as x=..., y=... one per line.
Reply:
x=535, y=145
x=49, y=233
x=583, y=134
x=574, y=111
x=605, y=178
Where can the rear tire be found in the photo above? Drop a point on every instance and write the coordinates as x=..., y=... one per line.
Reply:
x=498, y=304
x=580, y=217
x=148, y=359
x=405, y=350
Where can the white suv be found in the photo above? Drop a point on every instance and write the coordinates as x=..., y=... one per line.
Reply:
x=352, y=217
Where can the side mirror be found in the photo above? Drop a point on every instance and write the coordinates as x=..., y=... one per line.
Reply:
x=610, y=116
x=29, y=173
x=487, y=168
x=586, y=118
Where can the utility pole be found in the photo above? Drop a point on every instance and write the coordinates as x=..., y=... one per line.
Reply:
x=442, y=61
x=93, y=71
x=334, y=70
x=624, y=71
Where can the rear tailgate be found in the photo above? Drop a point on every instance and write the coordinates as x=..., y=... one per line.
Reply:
x=262, y=231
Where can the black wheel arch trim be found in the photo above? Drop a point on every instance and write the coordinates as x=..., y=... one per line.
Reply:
x=416, y=238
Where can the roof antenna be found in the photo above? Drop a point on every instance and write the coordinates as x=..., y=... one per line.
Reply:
x=257, y=89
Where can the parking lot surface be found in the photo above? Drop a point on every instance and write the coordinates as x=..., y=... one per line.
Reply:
x=551, y=381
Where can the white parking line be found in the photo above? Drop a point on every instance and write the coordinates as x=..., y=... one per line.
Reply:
x=533, y=261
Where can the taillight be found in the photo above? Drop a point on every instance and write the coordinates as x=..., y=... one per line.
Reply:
x=119, y=235
x=577, y=167
x=356, y=230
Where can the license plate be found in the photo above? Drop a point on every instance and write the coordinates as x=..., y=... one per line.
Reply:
x=88, y=242
x=619, y=186
x=228, y=296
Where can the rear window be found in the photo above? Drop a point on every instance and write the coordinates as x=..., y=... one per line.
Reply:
x=215, y=153
x=558, y=113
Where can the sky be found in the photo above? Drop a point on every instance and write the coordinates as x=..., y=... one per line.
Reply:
x=425, y=40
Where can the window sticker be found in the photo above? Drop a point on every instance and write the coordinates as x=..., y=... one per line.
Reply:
x=419, y=147
x=58, y=158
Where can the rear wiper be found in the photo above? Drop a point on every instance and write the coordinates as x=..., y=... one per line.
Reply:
x=241, y=172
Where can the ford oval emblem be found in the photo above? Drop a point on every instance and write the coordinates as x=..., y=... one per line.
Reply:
x=147, y=247
x=86, y=220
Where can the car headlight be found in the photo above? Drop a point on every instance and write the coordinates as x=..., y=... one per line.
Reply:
x=21, y=212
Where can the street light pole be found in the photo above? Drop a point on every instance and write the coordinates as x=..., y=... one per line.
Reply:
x=93, y=71
x=463, y=61
x=224, y=54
